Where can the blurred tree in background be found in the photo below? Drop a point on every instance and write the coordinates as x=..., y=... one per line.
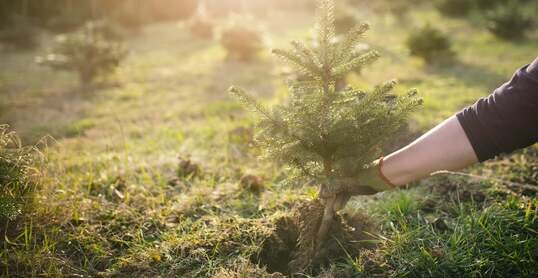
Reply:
x=241, y=39
x=454, y=8
x=66, y=15
x=430, y=44
x=87, y=52
x=509, y=21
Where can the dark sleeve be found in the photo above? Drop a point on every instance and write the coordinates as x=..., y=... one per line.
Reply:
x=507, y=119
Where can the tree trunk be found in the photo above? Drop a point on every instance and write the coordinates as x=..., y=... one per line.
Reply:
x=326, y=222
x=329, y=214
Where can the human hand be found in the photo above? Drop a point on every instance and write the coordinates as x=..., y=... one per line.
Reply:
x=344, y=186
x=366, y=182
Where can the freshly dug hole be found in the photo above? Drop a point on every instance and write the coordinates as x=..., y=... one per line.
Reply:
x=290, y=249
x=277, y=250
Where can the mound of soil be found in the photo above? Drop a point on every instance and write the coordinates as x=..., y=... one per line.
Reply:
x=290, y=248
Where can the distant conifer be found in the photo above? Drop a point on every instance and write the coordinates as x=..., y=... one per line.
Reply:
x=87, y=51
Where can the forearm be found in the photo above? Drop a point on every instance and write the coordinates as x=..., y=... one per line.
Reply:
x=502, y=122
x=445, y=147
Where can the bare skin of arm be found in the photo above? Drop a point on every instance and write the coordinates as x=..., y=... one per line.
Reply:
x=444, y=147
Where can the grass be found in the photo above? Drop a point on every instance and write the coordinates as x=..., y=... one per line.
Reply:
x=19, y=175
x=466, y=230
x=489, y=241
x=111, y=203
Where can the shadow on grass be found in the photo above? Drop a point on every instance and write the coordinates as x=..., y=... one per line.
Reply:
x=51, y=112
x=471, y=75
x=36, y=111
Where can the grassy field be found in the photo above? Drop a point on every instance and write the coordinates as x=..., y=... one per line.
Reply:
x=112, y=202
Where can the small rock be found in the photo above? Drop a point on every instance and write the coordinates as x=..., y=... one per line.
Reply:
x=437, y=252
x=252, y=183
x=187, y=168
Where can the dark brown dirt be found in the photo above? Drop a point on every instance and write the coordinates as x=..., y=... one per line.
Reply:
x=290, y=249
x=308, y=217
x=277, y=250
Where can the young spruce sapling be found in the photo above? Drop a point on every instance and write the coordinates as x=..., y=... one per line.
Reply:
x=324, y=132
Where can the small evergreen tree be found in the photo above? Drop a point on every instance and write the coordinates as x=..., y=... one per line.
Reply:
x=509, y=20
x=324, y=132
x=454, y=8
x=87, y=52
x=430, y=44
x=241, y=42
